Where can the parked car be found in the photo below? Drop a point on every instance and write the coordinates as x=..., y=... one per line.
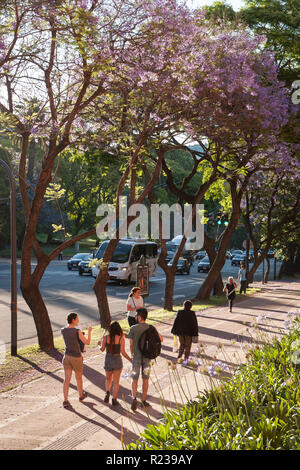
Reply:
x=183, y=266
x=170, y=254
x=238, y=260
x=84, y=268
x=200, y=255
x=188, y=255
x=237, y=253
x=204, y=265
x=75, y=260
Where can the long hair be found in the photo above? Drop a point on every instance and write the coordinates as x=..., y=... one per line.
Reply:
x=133, y=291
x=114, y=330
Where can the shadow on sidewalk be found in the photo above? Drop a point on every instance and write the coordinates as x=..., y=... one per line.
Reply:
x=111, y=423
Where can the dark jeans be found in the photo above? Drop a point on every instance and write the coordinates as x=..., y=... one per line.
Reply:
x=131, y=321
x=230, y=302
x=185, y=346
x=243, y=287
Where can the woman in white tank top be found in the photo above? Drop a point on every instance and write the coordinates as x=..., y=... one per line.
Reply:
x=134, y=301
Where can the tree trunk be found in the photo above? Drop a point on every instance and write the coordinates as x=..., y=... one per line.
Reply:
x=287, y=268
x=169, y=291
x=100, y=284
x=267, y=271
x=100, y=292
x=256, y=264
x=209, y=246
x=214, y=272
x=34, y=300
x=297, y=263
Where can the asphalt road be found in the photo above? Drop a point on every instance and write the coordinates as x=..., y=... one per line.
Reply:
x=65, y=291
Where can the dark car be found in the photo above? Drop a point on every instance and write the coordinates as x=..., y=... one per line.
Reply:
x=183, y=266
x=74, y=262
x=238, y=260
x=83, y=266
x=169, y=256
x=204, y=265
x=200, y=255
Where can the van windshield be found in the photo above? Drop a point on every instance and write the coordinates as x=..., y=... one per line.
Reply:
x=121, y=253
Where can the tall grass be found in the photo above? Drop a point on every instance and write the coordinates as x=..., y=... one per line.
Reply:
x=258, y=408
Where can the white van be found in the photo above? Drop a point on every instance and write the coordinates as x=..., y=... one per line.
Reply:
x=125, y=258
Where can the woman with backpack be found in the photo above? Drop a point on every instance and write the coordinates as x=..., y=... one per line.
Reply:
x=185, y=326
x=134, y=301
x=230, y=291
x=114, y=344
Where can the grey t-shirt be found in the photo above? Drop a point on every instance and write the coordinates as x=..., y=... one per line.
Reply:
x=71, y=341
x=135, y=333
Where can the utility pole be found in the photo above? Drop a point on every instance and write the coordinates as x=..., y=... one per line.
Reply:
x=13, y=258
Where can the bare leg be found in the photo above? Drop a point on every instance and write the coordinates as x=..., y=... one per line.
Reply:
x=116, y=376
x=68, y=375
x=78, y=376
x=108, y=382
x=134, y=388
x=145, y=389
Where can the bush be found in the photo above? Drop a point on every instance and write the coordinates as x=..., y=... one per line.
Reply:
x=258, y=409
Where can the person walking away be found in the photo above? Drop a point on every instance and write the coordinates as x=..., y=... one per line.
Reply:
x=230, y=291
x=134, y=301
x=114, y=344
x=185, y=326
x=60, y=256
x=242, y=277
x=73, y=360
x=140, y=362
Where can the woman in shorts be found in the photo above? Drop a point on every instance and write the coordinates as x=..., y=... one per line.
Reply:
x=73, y=360
x=134, y=301
x=230, y=291
x=114, y=345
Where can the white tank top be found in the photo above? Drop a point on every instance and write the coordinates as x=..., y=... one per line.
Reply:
x=134, y=303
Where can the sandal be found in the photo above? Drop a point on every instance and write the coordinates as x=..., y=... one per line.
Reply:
x=84, y=395
x=67, y=404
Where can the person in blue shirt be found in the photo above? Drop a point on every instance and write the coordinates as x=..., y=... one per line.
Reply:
x=242, y=277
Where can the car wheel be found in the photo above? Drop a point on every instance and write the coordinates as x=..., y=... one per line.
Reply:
x=80, y=273
x=69, y=269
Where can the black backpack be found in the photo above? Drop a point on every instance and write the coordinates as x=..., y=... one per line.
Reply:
x=149, y=343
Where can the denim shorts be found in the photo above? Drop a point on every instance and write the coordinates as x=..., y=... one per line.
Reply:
x=137, y=365
x=112, y=363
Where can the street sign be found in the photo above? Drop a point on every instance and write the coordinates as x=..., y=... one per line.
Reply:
x=142, y=276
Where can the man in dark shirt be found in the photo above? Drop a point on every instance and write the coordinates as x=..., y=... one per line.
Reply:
x=138, y=361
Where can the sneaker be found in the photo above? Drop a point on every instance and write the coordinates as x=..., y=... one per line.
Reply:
x=106, y=399
x=144, y=404
x=134, y=404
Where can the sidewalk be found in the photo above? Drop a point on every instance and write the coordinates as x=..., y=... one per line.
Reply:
x=32, y=416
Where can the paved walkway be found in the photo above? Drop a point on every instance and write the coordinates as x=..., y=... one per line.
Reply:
x=32, y=416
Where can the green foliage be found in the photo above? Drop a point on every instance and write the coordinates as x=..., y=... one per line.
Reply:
x=258, y=409
x=279, y=21
x=96, y=175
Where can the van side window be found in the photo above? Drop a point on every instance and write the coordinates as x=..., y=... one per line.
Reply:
x=137, y=252
x=151, y=251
